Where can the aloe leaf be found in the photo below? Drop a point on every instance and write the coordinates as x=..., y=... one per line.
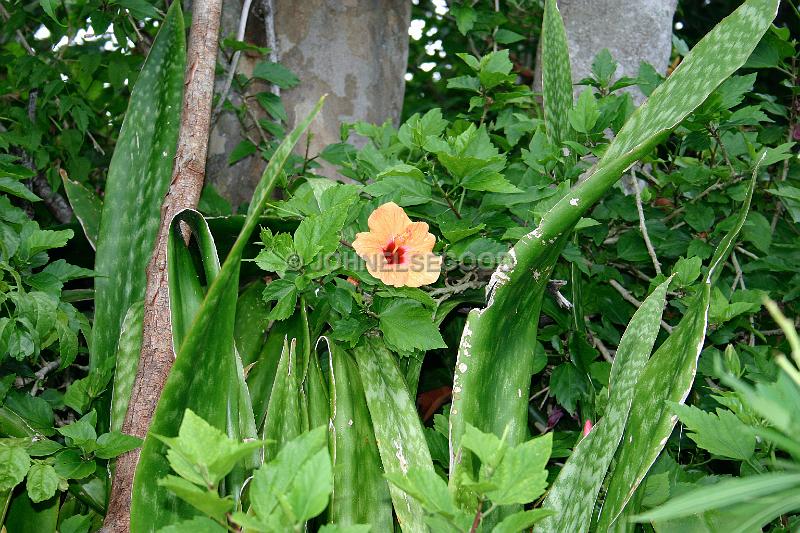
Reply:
x=722, y=494
x=360, y=492
x=204, y=377
x=261, y=376
x=252, y=322
x=87, y=208
x=493, y=369
x=572, y=496
x=138, y=178
x=668, y=376
x=128, y=348
x=556, y=76
x=398, y=431
x=186, y=291
x=284, y=418
x=316, y=392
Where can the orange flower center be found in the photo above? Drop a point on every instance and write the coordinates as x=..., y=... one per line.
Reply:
x=393, y=253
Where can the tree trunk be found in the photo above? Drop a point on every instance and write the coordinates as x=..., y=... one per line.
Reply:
x=632, y=30
x=157, y=352
x=354, y=50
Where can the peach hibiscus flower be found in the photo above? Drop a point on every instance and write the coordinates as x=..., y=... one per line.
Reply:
x=397, y=251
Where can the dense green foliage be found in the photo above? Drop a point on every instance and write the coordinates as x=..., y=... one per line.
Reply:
x=309, y=393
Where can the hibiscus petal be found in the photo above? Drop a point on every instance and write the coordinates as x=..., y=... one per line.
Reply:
x=387, y=221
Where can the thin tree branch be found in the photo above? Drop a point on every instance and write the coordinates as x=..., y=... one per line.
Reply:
x=643, y=226
x=630, y=298
x=157, y=353
x=226, y=88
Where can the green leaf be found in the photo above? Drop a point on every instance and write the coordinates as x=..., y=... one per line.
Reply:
x=720, y=434
x=114, y=443
x=604, y=67
x=81, y=432
x=360, y=493
x=69, y=464
x=319, y=234
x=138, y=178
x=522, y=521
x=18, y=189
x=42, y=482
x=287, y=475
x=275, y=73
x=87, y=207
x=242, y=150
x=202, y=453
x=495, y=68
x=49, y=7
x=584, y=115
x=398, y=431
x=516, y=289
x=668, y=376
x=208, y=381
x=426, y=487
x=198, y=524
x=127, y=358
x=273, y=105
x=408, y=326
x=465, y=17
x=572, y=496
x=206, y=501
x=722, y=494
x=487, y=446
x=283, y=421
x=285, y=294
x=556, y=76
x=312, y=486
x=521, y=476
x=568, y=385
x=14, y=464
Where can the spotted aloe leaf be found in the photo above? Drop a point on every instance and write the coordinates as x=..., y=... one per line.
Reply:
x=284, y=420
x=572, y=496
x=128, y=347
x=360, y=492
x=667, y=377
x=87, y=207
x=138, y=178
x=556, y=75
x=205, y=377
x=493, y=369
x=398, y=431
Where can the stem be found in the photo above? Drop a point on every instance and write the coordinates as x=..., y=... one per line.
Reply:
x=643, y=226
x=157, y=354
x=477, y=521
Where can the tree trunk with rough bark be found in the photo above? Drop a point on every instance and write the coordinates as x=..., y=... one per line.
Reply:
x=632, y=30
x=356, y=51
x=157, y=352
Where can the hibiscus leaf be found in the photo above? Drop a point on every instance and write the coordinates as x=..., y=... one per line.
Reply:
x=407, y=326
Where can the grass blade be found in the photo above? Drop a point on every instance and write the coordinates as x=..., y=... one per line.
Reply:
x=138, y=178
x=572, y=496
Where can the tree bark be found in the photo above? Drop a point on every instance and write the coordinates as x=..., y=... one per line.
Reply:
x=354, y=50
x=157, y=354
x=633, y=31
